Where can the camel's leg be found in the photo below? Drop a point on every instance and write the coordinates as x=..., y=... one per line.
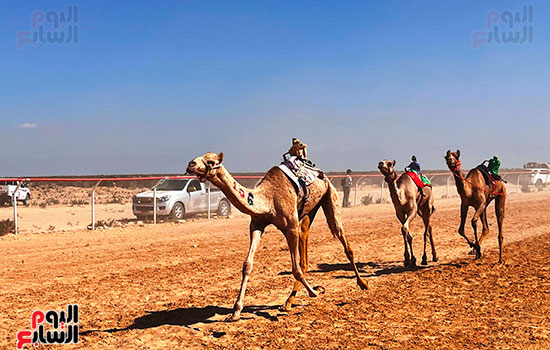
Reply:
x=334, y=221
x=485, y=224
x=409, y=238
x=292, y=237
x=428, y=234
x=256, y=233
x=476, y=216
x=499, y=209
x=426, y=220
x=434, y=254
x=463, y=215
x=305, y=224
x=406, y=255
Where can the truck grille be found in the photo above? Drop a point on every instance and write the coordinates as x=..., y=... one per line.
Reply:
x=144, y=200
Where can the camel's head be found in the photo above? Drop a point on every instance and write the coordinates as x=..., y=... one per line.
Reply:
x=205, y=167
x=386, y=167
x=452, y=159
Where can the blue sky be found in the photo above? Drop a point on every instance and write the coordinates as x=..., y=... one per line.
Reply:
x=151, y=85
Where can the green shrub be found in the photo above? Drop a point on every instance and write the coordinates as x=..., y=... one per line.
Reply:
x=366, y=200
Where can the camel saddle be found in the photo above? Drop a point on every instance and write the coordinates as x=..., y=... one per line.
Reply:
x=300, y=173
x=419, y=180
x=487, y=176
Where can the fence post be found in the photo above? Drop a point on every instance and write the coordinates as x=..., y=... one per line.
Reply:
x=382, y=191
x=155, y=205
x=447, y=190
x=14, y=199
x=355, y=196
x=517, y=188
x=93, y=204
x=155, y=201
x=209, y=201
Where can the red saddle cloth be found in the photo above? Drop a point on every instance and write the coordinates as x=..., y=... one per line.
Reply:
x=416, y=179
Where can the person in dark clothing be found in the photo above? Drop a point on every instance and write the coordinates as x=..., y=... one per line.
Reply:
x=414, y=165
x=346, y=183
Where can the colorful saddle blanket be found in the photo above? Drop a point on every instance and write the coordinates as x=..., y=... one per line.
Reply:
x=420, y=180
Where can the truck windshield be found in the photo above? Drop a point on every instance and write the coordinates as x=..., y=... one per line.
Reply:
x=172, y=185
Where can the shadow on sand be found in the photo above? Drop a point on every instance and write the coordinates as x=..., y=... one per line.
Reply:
x=371, y=269
x=187, y=317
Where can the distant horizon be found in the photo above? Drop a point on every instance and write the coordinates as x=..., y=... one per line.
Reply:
x=239, y=173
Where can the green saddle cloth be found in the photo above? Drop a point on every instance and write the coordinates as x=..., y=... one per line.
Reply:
x=423, y=178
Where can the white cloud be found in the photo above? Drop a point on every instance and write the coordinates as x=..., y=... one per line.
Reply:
x=28, y=125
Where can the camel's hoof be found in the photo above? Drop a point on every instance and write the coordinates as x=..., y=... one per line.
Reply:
x=435, y=259
x=424, y=261
x=320, y=290
x=232, y=318
x=363, y=285
x=285, y=308
x=412, y=262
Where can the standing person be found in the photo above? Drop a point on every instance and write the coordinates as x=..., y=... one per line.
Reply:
x=346, y=183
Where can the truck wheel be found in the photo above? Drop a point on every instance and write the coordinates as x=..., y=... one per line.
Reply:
x=27, y=200
x=178, y=212
x=224, y=208
x=538, y=185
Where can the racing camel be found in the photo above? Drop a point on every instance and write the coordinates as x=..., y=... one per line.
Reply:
x=275, y=201
x=408, y=201
x=474, y=192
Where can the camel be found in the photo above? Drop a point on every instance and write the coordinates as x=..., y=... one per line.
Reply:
x=475, y=193
x=275, y=201
x=408, y=201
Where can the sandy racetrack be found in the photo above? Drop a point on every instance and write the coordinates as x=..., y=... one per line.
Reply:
x=170, y=285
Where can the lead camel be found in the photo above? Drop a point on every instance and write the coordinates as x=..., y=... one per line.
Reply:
x=275, y=201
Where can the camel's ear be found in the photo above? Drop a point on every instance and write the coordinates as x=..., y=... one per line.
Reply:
x=457, y=153
x=220, y=157
x=448, y=152
x=393, y=163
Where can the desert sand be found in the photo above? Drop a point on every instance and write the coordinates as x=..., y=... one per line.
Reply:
x=171, y=285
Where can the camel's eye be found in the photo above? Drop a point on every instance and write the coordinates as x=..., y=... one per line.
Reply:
x=211, y=162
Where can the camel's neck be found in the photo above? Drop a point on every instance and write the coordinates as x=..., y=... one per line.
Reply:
x=244, y=199
x=394, y=191
x=461, y=186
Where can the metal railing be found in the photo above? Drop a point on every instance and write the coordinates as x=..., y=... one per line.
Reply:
x=360, y=179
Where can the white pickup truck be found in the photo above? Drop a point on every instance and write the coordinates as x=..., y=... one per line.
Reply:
x=537, y=179
x=7, y=189
x=177, y=198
